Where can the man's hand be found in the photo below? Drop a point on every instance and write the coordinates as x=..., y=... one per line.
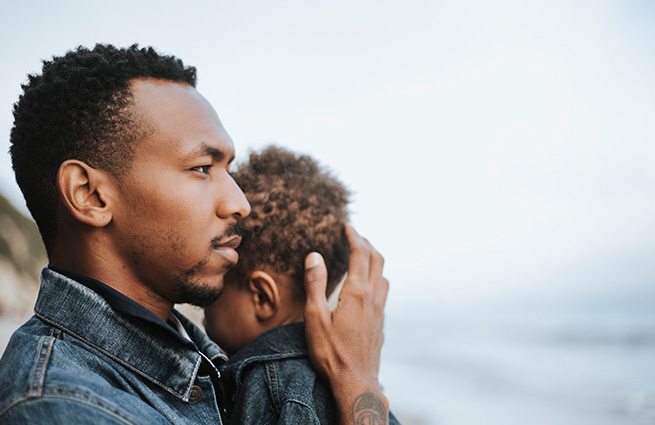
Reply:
x=344, y=345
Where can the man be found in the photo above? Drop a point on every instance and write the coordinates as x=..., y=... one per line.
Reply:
x=125, y=168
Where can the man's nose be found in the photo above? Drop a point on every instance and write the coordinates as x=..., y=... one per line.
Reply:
x=232, y=202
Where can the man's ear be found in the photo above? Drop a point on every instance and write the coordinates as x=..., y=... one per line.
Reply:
x=265, y=294
x=85, y=192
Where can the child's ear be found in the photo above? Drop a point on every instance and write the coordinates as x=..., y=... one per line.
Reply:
x=265, y=294
x=85, y=192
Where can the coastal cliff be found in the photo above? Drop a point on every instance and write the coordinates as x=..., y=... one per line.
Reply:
x=22, y=256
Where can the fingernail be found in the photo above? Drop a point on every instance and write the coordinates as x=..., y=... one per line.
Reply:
x=312, y=259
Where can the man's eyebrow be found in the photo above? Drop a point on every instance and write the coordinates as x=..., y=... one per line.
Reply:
x=206, y=150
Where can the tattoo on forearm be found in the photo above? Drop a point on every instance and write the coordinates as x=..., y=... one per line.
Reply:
x=369, y=410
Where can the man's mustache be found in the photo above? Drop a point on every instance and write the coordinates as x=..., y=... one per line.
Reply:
x=232, y=230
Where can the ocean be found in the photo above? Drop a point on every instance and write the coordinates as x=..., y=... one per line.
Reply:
x=478, y=368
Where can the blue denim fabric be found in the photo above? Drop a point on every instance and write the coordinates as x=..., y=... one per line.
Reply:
x=272, y=381
x=78, y=361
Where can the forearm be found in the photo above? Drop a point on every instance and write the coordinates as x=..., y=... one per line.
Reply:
x=360, y=403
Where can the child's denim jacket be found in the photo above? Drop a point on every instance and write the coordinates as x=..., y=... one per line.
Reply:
x=272, y=381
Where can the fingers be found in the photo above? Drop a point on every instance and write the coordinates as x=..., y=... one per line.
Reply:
x=366, y=265
x=376, y=266
x=383, y=292
x=358, y=265
x=315, y=285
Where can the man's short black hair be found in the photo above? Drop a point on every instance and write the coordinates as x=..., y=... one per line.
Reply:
x=78, y=108
x=297, y=208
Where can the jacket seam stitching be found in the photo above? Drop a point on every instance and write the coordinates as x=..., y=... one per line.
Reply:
x=36, y=363
x=299, y=398
x=271, y=373
x=41, y=364
x=51, y=342
x=299, y=401
x=81, y=400
x=126, y=364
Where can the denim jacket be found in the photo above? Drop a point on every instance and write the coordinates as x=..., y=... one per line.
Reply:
x=272, y=381
x=79, y=361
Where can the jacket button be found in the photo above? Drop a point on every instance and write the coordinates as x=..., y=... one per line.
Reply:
x=196, y=394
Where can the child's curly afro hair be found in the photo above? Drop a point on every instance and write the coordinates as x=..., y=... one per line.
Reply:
x=297, y=208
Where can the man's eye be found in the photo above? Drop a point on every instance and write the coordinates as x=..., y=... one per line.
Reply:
x=202, y=168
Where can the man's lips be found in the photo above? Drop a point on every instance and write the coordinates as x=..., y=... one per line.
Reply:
x=227, y=248
x=231, y=242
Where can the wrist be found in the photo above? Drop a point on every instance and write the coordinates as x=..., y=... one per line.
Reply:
x=360, y=400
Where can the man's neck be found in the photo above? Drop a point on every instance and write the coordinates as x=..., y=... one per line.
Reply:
x=104, y=272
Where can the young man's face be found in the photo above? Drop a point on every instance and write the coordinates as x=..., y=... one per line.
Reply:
x=174, y=224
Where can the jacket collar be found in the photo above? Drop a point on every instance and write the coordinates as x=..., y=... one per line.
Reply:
x=282, y=342
x=144, y=346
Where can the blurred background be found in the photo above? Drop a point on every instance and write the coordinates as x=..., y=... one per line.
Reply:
x=502, y=156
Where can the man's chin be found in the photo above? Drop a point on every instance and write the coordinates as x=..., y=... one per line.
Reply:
x=198, y=294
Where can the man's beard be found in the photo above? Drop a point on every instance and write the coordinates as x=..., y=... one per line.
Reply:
x=198, y=293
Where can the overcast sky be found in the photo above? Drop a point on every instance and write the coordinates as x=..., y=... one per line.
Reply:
x=502, y=147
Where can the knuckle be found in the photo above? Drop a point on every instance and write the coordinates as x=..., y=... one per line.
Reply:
x=312, y=271
x=368, y=246
x=361, y=245
x=312, y=276
x=312, y=309
x=312, y=280
x=360, y=292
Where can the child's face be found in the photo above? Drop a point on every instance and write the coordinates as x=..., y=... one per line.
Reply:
x=230, y=321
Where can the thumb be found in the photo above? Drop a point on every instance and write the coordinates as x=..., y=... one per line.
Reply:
x=316, y=283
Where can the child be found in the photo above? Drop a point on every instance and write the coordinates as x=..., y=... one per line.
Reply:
x=297, y=208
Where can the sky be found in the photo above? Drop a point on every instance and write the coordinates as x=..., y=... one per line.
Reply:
x=496, y=150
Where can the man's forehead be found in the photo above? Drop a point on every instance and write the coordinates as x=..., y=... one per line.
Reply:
x=179, y=113
x=142, y=82
x=150, y=92
x=218, y=151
